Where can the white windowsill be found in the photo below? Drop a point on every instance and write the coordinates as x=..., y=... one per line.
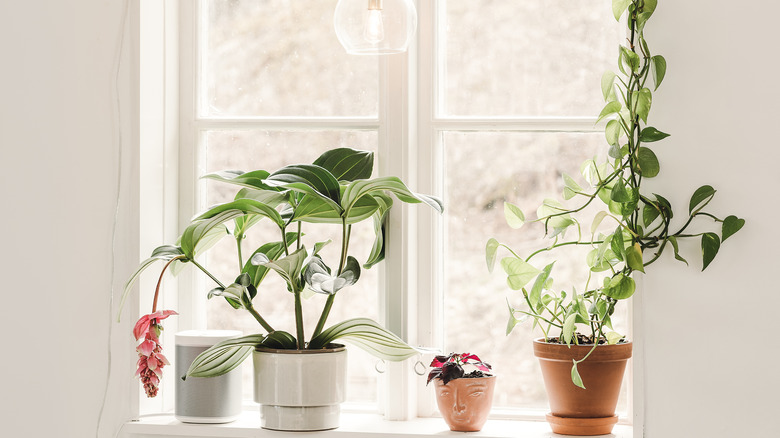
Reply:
x=352, y=425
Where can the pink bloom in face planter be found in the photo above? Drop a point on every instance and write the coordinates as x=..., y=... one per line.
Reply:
x=150, y=358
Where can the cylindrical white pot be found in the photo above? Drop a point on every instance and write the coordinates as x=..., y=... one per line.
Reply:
x=300, y=389
x=205, y=399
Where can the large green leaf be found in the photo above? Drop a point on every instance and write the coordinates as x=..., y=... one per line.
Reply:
x=731, y=225
x=202, y=229
x=223, y=357
x=612, y=133
x=658, y=68
x=272, y=251
x=280, y=340
x=535, y=296
x=513, y=215
x=650, y=134
x=710, y=244
x=357, y=189
x=252, y=179
x=607, y=82
x=368, y=335
x=643, y=100
x=289, y=268
x=634, y=258
x=609, y=109
x=519, y=273
x=244, y=206
x=380, y=219
x=315, y=209
x=308, y=179
x=648, y=162
x=701, y=197
x=619, y=287
x=347, y=164
x=618, y=7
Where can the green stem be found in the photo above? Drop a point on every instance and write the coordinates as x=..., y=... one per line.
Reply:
x=558, y=245
x=345, y=234
x=299, y=321
x=240, y=256
x=260, y=319
x=209, y=274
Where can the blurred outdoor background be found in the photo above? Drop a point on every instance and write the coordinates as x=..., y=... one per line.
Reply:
x=529, y=58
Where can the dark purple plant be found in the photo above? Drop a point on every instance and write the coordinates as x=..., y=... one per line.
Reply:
x=450, y=367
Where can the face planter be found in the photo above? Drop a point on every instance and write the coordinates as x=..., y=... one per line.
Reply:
x=465, y=403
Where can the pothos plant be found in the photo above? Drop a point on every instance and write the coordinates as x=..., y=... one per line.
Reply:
x=297, y=200
x=639, y=224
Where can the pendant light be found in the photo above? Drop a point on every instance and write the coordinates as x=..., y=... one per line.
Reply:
x=375, y=27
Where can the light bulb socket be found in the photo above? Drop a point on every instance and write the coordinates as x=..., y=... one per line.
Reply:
x=374, y=5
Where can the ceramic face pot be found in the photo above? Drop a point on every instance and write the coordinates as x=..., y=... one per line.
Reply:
x=577, y=411
x=300, y=390
x=465, y=403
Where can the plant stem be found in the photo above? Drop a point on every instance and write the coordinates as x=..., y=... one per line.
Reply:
x=240, y=256
x=159, y=281
x=208, y=273
x=260, y=319
x=299, y=321
x=345, y=234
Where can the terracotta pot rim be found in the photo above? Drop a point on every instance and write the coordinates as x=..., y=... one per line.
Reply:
x=542, y=341
x=562, y=352
x=332, y=348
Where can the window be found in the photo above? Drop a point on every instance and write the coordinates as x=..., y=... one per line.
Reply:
x=496, y=101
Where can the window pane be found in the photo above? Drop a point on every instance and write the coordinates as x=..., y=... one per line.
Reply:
x=282, y=58
x=252, y=150
x=526, y=58
x=521, y=168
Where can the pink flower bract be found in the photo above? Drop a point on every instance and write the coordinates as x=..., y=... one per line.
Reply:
x=150, y=358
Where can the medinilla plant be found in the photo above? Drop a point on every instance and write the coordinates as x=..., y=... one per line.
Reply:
x=633, y=227
x=297, y=200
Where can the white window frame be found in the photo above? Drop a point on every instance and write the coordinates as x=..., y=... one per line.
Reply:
x=409, y=143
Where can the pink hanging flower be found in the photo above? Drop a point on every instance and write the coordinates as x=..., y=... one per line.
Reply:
x=150, y=358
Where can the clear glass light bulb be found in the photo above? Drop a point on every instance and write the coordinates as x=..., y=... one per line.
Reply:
x=374, y=30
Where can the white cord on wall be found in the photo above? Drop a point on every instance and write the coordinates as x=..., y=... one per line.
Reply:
x=117, y=119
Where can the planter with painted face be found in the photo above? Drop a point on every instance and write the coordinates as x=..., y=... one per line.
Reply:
x=464, y=397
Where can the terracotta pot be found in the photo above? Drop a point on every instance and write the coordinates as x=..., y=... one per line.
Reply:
x=577, y=411
x=465, y=403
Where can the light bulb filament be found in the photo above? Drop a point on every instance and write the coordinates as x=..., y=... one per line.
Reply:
x=374, y=30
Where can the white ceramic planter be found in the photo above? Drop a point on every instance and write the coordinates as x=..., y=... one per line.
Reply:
x=300, y=390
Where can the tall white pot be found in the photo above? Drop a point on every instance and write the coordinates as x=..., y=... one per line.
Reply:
x=300, y=390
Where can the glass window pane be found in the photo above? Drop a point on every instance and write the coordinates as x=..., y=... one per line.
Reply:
x=526, y=58
x=282, y=58
x=521, y=168
x=270, y=150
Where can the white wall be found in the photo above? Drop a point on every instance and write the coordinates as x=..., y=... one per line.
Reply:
x=58, y=189
x=710, y=337
x=707, y=374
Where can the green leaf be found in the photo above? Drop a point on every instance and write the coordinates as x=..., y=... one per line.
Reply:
x=357, y=189
x=648, y=162
x=618, y=7
x=253, y=179
x=597, y=219
x=634, y=258
x=618, y=245
x=368, y=335
x=552, y=209
x=701, y=197
x=658, y=68
x=619, y=192
x=241, y=207
x=513, y=215
x=673, y=241
x=535, y=296
x=320, y=280
x=223, y=357
x=613, y=337
x=650, y=212
x=629, y=59
x=202, y=229
x=710, y=244
x=644, y=100
x=731, y=225
x=612, y=133
x=607, y=82
x=650, y=134
x=271, y=251
x=380, y=219
x=314, y=209
x=347, y=164
x=309, y=179
x=568, y=328
x=649, y=6
x=280, y=340
x=161, y=253
x=620, y=287
x=641, y=20
x=519, y=273
x=512, y=322
x=491, y=250
x=289, y=268
x=609, y=109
